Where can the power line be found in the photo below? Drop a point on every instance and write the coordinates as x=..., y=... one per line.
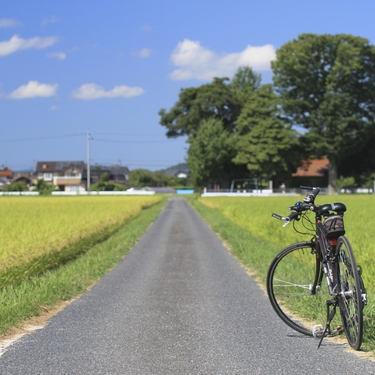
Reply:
x=42, y=138
x=129, y=142
x=94, y=139
x=132, y=135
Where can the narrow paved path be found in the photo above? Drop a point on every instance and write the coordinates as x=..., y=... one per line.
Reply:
x=178, y=303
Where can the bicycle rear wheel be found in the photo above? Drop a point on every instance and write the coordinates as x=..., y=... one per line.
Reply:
x=350, y=300
x=289, y=283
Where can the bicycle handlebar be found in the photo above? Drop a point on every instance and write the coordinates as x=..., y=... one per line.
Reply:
x=307, y=204
x=310, y=198
x=288, y=218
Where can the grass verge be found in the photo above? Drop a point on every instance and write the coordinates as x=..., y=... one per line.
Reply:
x=29, y=298
x=257, y=253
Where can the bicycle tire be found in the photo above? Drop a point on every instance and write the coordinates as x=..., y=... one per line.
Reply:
x=289, y=280
x=350, y=300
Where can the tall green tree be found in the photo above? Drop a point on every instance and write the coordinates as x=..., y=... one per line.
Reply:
x=221, y=101
x=327, y=86
x=196, y=104
x=209, y=153
x=266, y=143
x=245, y=82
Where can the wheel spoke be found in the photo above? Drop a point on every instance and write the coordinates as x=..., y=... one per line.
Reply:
x=289, y=283
x=350, y=294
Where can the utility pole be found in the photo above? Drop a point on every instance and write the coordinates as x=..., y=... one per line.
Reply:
x=88, y=161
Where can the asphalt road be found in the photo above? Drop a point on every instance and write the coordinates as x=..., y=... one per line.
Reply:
x=178, y=303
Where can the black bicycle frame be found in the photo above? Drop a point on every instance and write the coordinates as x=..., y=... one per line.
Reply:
x=325, y=259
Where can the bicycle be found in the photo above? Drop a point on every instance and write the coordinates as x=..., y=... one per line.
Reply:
x=295, y=276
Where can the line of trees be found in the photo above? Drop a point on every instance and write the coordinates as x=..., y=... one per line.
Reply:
x=143, y=177
x=321, y=103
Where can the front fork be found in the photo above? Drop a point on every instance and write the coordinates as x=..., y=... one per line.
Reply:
x=329, y=266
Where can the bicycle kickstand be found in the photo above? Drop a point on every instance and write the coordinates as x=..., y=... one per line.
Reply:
x=330, y=316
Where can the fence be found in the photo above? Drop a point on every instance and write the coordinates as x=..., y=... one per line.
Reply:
x=278, y=191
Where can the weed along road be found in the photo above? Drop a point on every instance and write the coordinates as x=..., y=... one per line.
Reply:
x=178, y=303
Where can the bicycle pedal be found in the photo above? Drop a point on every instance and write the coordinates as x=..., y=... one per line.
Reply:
x=318, y=331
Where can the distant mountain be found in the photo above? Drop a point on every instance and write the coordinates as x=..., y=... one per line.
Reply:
x=177, y=166
x=31, y=169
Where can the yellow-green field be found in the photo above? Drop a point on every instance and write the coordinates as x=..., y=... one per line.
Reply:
x=254, y=237
x=39, y=275
x=31, y=227
x=254, y=215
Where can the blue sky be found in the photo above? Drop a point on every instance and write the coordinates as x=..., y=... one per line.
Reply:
x=107, y=67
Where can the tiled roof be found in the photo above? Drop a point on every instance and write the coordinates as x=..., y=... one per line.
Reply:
x=313, y=168
x=6, y=173
x=56, y=166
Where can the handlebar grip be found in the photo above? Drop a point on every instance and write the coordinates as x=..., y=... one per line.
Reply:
x=310, y=198
x=292, y=216
x=287, y=219
x=276, y=216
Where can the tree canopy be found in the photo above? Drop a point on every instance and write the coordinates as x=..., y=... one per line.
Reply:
x=221, y=99
x=326, y=85
x=207, y=115
x=266, y=143
x=143, y=177
x=210, y=155
x=321, y=103
x=196, y=104
x=15, y=186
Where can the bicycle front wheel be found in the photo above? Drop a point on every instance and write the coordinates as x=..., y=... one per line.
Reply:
x=350, y=293
x=289, y=286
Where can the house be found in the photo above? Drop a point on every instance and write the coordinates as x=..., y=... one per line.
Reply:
x=116, y=173
x=6, y=173
x=65, y=175
x=313, y=172
x=3, y=181
x=179, y=173
x=27, y=178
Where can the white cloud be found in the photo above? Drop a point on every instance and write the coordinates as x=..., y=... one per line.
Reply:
x=15, y=43
x=57, y=55
x=145, y=52
x=34, y=89
x=9, y=22
x=196, y=62
x=92, y=91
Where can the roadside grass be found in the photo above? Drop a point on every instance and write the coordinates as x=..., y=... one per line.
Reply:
x=254, y=238
x=21, y=301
